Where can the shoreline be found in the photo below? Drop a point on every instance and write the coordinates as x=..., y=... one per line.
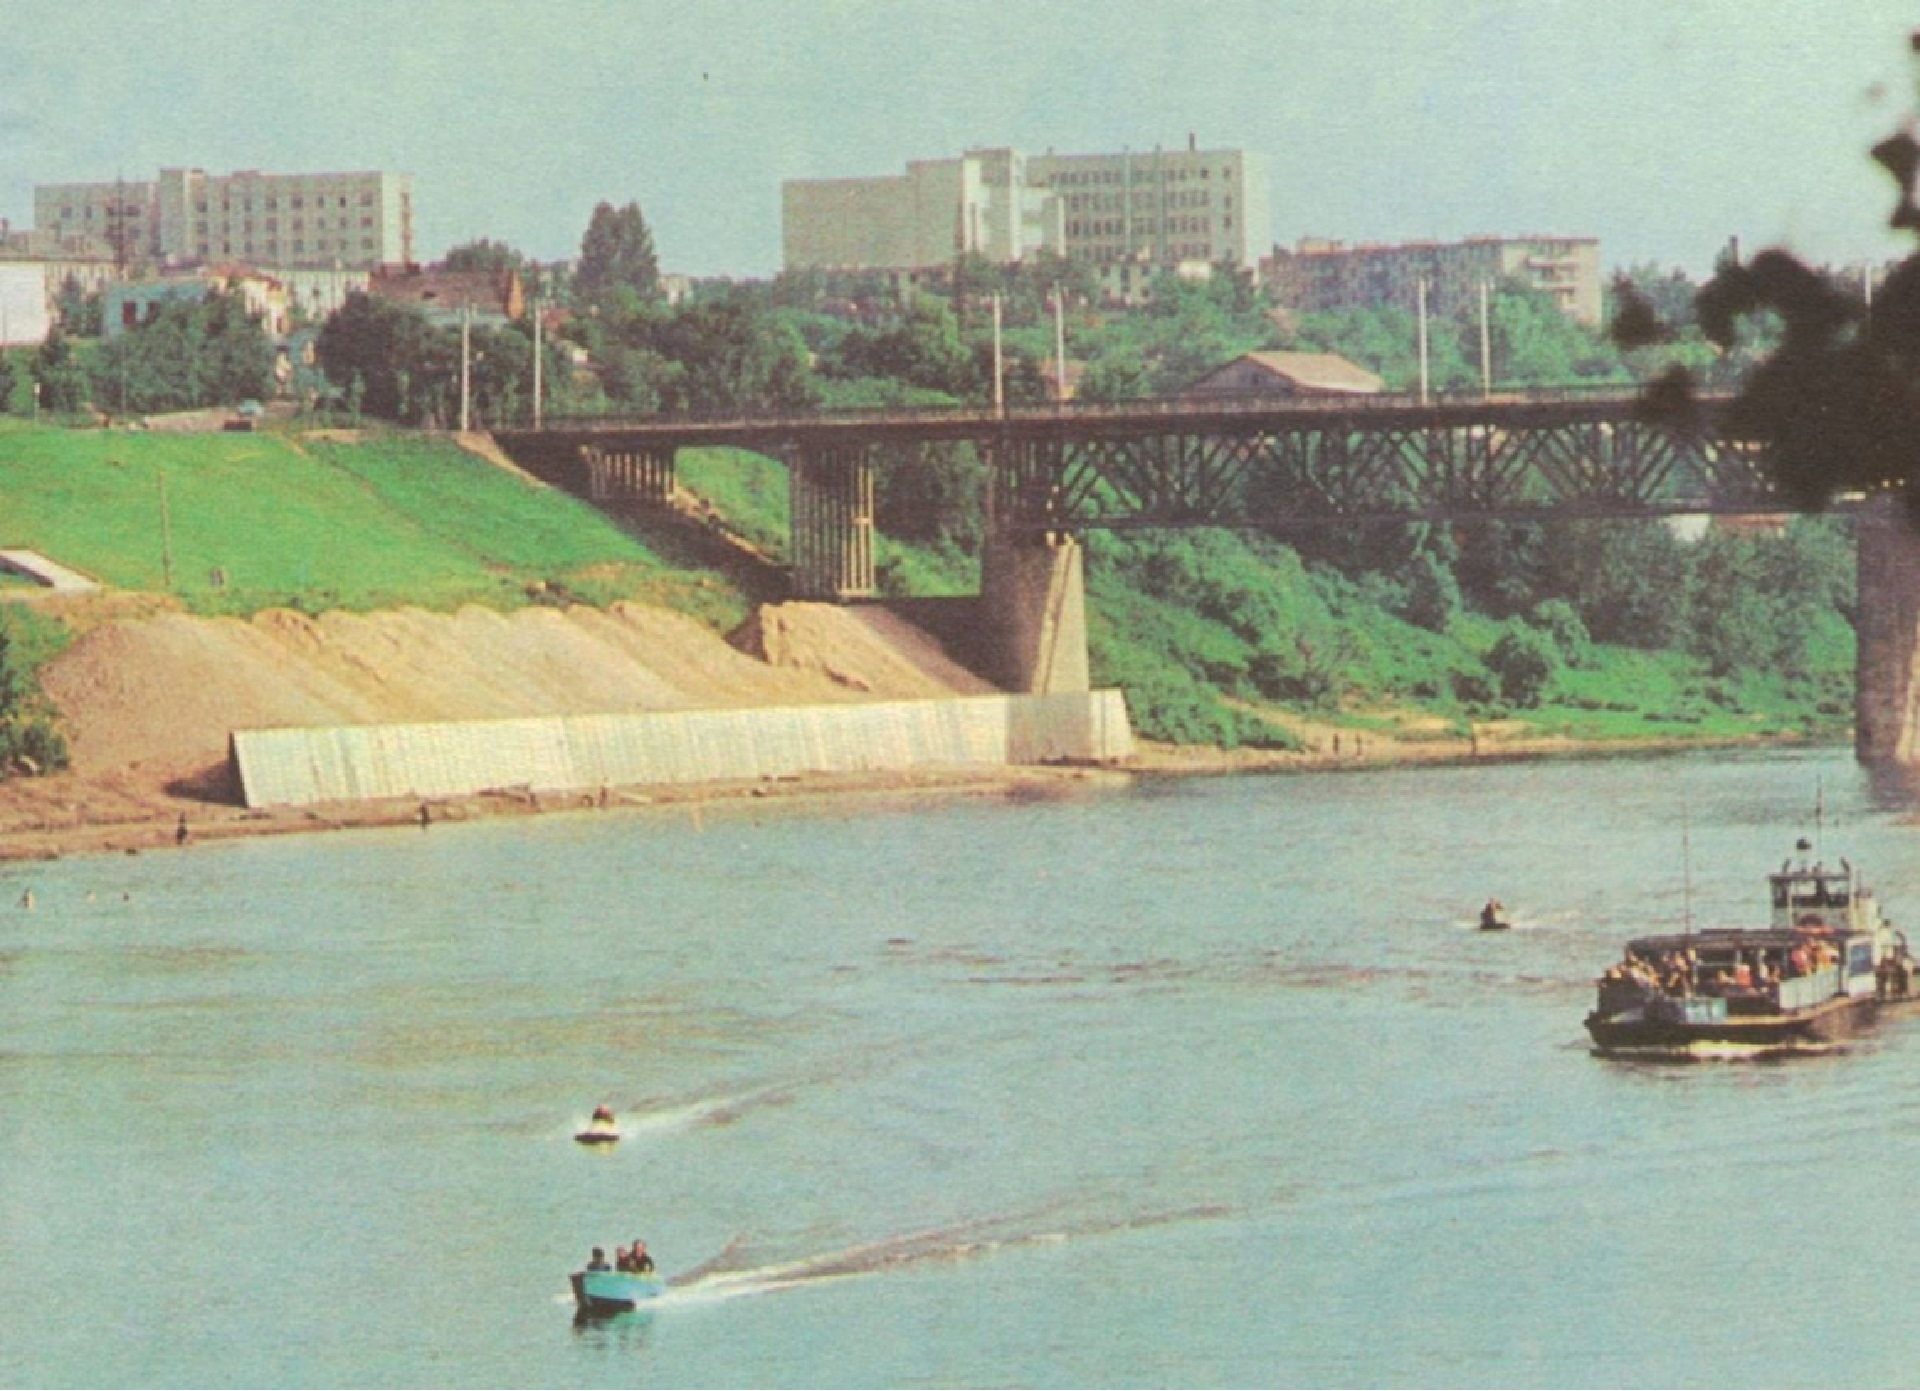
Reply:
x=71, y=814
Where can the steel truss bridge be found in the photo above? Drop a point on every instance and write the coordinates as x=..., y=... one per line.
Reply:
x=1235, y=462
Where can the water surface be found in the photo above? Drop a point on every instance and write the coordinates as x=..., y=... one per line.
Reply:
x=1203, y=1082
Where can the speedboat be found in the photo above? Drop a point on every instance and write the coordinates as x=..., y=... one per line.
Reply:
x=601, y=1130
x=1826, y=964
x=613, y=1291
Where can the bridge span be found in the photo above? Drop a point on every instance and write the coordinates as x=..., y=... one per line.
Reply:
x=1256, y=462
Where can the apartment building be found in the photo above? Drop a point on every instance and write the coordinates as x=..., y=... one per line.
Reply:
x=1163, y=208
x=1130, y=214
x=189, y=217
x=1319, y=275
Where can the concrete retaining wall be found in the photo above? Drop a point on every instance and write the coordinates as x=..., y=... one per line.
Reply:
x=296, y=767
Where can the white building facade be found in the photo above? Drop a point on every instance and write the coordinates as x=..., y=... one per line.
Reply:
x=1152, y=211
x=190, y=217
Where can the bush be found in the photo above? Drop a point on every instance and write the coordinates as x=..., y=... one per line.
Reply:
x=30, y=744
x=1523, y=663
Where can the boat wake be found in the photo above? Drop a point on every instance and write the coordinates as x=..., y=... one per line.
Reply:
x=706, y=1111
x=725, y=1277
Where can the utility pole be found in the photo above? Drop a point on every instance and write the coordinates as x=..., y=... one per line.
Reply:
x=1423, y=341
x=166, y=535
x=466, y=328
x=536, y=364
x=1486, y=346
x=999, y=384
x=1059, y=344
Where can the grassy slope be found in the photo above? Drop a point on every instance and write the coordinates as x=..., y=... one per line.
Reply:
x=393, y=519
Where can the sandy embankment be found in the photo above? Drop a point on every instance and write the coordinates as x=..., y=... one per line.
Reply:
x=148, y=697
x=148, y=700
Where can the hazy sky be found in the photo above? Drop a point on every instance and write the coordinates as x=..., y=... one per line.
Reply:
x=1660, y=126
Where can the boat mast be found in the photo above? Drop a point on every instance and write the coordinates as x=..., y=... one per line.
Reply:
x=1686, y=872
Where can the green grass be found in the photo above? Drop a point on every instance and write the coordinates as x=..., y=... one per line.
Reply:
x=234, y=523
x=748, y=489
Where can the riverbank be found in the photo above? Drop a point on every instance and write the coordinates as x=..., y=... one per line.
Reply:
x=149, y=696
x=75, y=814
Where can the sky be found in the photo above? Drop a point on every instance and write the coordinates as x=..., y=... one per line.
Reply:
x=1662, y=127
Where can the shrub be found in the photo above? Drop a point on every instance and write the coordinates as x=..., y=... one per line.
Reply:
x=1523, y=663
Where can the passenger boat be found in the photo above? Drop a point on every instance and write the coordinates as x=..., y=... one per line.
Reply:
x=1826, y=964
x=613, y=1291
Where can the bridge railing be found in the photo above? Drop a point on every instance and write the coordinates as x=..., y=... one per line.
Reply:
x=1192, y=406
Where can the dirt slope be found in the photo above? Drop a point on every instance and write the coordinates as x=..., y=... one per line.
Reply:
x=149, y=701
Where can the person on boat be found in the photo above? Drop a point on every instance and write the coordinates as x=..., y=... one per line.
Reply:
x=1494, y=915
x=599, y=1260
x=622, y=1259
x=603, y=1115
x=640, y=1263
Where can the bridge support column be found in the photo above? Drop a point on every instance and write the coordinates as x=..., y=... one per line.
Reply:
x=1886, y=695
x=633, y=475
x=830, y=501
x=1033, y=606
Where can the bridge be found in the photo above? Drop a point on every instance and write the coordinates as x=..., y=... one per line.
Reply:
x=1257, y=462
x=1232, y=461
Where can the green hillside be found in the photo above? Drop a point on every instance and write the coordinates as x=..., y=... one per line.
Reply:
x=231, y=523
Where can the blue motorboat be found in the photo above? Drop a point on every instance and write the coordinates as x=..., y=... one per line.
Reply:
x=614, y=1291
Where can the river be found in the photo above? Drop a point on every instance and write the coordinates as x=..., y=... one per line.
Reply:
x=1197, y=1082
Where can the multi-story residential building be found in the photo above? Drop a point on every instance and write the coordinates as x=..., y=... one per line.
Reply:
x=1163, y=208
x=939, y=209
x=1319, y=275
x=1128, y=215
x=189, y=217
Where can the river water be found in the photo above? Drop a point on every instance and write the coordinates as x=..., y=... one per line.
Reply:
x=1204, y=1082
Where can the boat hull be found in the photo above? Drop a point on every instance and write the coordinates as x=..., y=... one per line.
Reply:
x=613, y=1291
x=1815, y=1029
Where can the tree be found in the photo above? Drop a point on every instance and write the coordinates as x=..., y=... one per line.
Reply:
x=1835, y=401
x=925, y=350
x=189, y=353
x=1523, y=663
x=617, y=254
x=730, y=354
x=78, y=311
x=57, y=375
x=404, y=367
x=485, y=255
x=9, y=381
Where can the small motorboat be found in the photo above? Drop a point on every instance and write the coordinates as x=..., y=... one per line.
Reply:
x=601, y=1130
x=598, y=1292
x=1493, y=918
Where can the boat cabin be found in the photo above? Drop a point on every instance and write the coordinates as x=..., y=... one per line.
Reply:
x=1814, y=896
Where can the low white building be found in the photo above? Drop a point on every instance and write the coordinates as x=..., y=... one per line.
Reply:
x=30, y=293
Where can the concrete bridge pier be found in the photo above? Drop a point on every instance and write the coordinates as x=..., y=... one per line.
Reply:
x=1886, y=697
x=830, y=505
x=1033, y=614
x=629, y=475
x=1033, y=589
